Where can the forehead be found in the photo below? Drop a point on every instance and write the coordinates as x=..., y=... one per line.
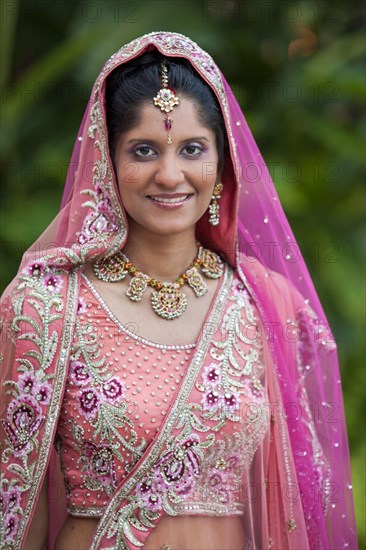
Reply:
x=184, y=116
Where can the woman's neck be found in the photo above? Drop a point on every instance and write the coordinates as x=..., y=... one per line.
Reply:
x=163, y=257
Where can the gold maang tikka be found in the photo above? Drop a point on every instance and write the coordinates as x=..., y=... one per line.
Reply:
x=166, y=100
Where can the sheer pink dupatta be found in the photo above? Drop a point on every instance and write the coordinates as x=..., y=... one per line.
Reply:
x=310, y=382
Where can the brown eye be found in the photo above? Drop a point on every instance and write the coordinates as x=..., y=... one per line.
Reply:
x=144, y=151
x=193, y=150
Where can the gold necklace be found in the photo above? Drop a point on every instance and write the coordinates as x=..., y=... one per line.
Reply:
x=167, y=300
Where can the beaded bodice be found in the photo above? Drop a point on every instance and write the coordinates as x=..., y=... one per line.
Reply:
x=120, y=390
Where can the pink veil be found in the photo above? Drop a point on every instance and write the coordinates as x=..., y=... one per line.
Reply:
x=265, y=236
x=255, y=238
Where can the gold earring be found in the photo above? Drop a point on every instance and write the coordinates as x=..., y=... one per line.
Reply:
x=214, y=208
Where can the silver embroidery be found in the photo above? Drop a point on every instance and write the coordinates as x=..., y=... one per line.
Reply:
x=41, y=293
x=108, y=418
x=233, y=374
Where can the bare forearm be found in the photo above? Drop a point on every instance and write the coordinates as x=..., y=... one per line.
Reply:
x=37, y=534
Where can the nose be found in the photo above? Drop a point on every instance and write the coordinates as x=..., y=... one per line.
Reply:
x=169, y=172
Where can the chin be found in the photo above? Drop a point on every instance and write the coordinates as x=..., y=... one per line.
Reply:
x=164, y=225
x=171, y=229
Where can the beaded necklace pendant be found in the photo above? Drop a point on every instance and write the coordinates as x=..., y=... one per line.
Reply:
x=169, y=302
x=111, y=270
x=195, y=281
x=211, y=263
x=137, y=286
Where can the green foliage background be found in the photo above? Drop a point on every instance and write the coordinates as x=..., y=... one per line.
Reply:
x=305, y=110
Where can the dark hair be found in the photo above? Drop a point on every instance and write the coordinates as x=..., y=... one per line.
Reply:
x=137, y=82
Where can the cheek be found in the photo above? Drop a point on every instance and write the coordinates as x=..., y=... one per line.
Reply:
x=207, y=177
x=209, y=169
x=129, y=175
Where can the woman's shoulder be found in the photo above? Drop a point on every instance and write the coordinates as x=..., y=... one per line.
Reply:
x=279, y=294
x=278, y=291
x=261, y=275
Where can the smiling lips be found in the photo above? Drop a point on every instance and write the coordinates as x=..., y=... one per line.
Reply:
x=169, y=201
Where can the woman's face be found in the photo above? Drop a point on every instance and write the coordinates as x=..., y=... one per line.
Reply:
x=165, y=188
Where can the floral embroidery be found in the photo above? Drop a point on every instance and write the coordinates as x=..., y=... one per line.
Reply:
x=45, y=275
x=212, y=375
x=41, y=391
x=150, y=491
x=81, y=306
x=100, y=466
x=97, y=462
x=113, y=390
x=52, y=282
x=90, y=399
x=79, y=373
x=11, y=524
x=171, y=480
x=234, y=371
x=35, y=268
x=313, y=339
x=23, y=420
x=222, y=471
x=214, y=398
x=10, y=509
x=101, y=397
x=39, y=289
x=89, y=402
x=101, y=401
x=182, y=462
x=101, y=220
x=105, y=219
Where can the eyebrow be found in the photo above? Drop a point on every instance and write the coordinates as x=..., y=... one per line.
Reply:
x=152, y=141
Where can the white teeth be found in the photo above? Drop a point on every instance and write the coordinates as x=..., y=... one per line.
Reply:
x=170, y=201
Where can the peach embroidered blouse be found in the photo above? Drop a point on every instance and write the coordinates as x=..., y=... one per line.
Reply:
x=120, y=388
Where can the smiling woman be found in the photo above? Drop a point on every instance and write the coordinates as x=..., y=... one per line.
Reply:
x=191, y=391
